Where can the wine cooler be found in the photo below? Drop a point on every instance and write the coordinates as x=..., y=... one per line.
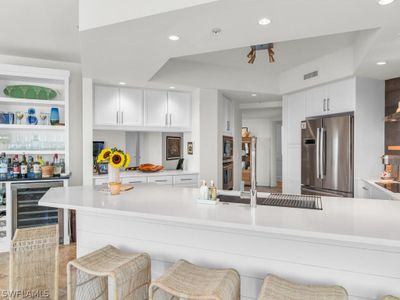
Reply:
x=26, y=210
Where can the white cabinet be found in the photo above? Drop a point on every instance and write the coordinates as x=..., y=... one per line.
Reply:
x=118, y=106
x=333, y=98
x=295, y=114
x=131, y=107
x=156, y=108
x=228, y=111
x=160, y=180
x=179, y=109
x=186, y=180
x=106, y=105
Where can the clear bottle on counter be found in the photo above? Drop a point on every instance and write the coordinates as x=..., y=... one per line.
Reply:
x=204, y=191
x=212, y=191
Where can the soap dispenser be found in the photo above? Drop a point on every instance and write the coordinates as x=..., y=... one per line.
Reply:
x=204, y=191
x=212, y=191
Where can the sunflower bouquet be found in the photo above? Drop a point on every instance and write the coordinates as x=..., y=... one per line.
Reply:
x=115, y=157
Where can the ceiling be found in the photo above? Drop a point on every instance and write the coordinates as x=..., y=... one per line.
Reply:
x=241, y=96
x=287, y=54
x=136, y=48
x=41, y=29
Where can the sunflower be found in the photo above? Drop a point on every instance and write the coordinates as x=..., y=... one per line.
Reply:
x=104, y=155
x=117, y=159
x=127, y=160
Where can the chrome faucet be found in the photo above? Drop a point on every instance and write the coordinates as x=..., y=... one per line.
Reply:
x=253, y=187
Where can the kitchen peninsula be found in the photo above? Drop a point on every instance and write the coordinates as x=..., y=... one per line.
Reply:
x=351, y=242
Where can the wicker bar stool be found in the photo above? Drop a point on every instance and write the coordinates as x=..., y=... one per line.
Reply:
x=388, y=297
x=34, y=262
x=275, y=288
x=87, y=276
x=187, y=281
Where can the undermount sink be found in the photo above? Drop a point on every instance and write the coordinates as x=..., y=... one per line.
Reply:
x=281, y=200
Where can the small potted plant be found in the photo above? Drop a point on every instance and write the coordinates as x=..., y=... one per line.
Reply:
x=116, y=160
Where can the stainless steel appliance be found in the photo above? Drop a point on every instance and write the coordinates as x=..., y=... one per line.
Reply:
x=227, y=147
x=327, y=156
x=227, y=173
x=27, y=212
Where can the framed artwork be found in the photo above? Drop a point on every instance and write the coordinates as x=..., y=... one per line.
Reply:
x=190, y=148
x=173, y=147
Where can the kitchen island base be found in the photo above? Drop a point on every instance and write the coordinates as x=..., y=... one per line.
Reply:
x=367, y=271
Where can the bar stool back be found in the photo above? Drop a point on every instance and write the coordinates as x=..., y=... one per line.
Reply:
x=388, y=297
x=87, y=276
x=275, y=288
x=187, y=281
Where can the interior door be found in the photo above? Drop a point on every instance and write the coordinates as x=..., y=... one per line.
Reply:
x=131, y=106
x=310, y=153
x=338, y=153
x=106, y=105
x=155, y=108
x=179, y=109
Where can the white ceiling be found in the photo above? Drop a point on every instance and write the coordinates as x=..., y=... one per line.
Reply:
x=41, y=28
x=287, y=54
x=240, y=96
x=135, y=50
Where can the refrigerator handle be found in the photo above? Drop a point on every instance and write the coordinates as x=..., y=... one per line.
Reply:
x=318, y=152
x=322, y=152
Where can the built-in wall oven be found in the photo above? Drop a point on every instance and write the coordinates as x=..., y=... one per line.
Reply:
x=27, y=212
x=227, y=173
x=227, y=146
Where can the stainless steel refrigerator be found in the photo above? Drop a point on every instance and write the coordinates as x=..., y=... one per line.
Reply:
x=327, y=156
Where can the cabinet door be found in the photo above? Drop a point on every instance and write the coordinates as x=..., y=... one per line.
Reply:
x=131, y=107
x=106, y=105
x=341, y=96
x=295, y=114
x=315, y=103
x=179, y=109
x=155, y=108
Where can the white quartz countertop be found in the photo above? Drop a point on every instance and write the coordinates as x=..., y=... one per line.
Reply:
x=391, y=195
x=150, y=174
x=372, y=222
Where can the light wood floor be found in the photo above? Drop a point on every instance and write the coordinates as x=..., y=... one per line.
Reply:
x=67, y=253
x=268, y=189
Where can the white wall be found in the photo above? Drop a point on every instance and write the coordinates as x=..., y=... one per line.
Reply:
x=150, y=147
x=111, y=138
x=75, y=133
x=265, y=164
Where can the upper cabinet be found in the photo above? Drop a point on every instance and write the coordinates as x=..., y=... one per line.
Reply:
x=179, y=109
x=106, y=105
x=333, y=98
x=138, y=109
x=131, y=107
x=228, y=111
x=156, y=108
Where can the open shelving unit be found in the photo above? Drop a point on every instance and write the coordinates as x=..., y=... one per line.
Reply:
x=19, y=134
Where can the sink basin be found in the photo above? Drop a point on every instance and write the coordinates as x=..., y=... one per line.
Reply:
x=281, y=200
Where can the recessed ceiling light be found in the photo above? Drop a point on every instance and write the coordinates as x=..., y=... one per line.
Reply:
x=172, y=87
x=385, y=2
x=381, y=63
x=122, y=83
x=254, y=95
x=264, y=21
x=174, y=37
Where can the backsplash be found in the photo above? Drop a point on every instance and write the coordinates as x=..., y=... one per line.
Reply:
x=392, y=129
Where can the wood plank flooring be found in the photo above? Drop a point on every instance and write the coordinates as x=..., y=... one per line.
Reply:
x=67, y=253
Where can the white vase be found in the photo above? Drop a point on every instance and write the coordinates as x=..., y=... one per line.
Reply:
x=113, y=174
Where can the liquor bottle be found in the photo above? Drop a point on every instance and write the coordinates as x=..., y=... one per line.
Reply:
x=37, y=170
x=56, y=166
x=10, y=174
x=24, y=167
x=40, y=160
x=16, y=168
x=3, y=167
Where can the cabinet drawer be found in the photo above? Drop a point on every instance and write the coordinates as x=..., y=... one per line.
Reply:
x=134, y=180
x=160, y=179
x=186, y=179
x=100, y=181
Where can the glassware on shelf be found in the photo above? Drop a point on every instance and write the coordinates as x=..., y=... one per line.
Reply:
x=44, y=117
x=19, y=115
x=54, y=116
x=31, y=117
